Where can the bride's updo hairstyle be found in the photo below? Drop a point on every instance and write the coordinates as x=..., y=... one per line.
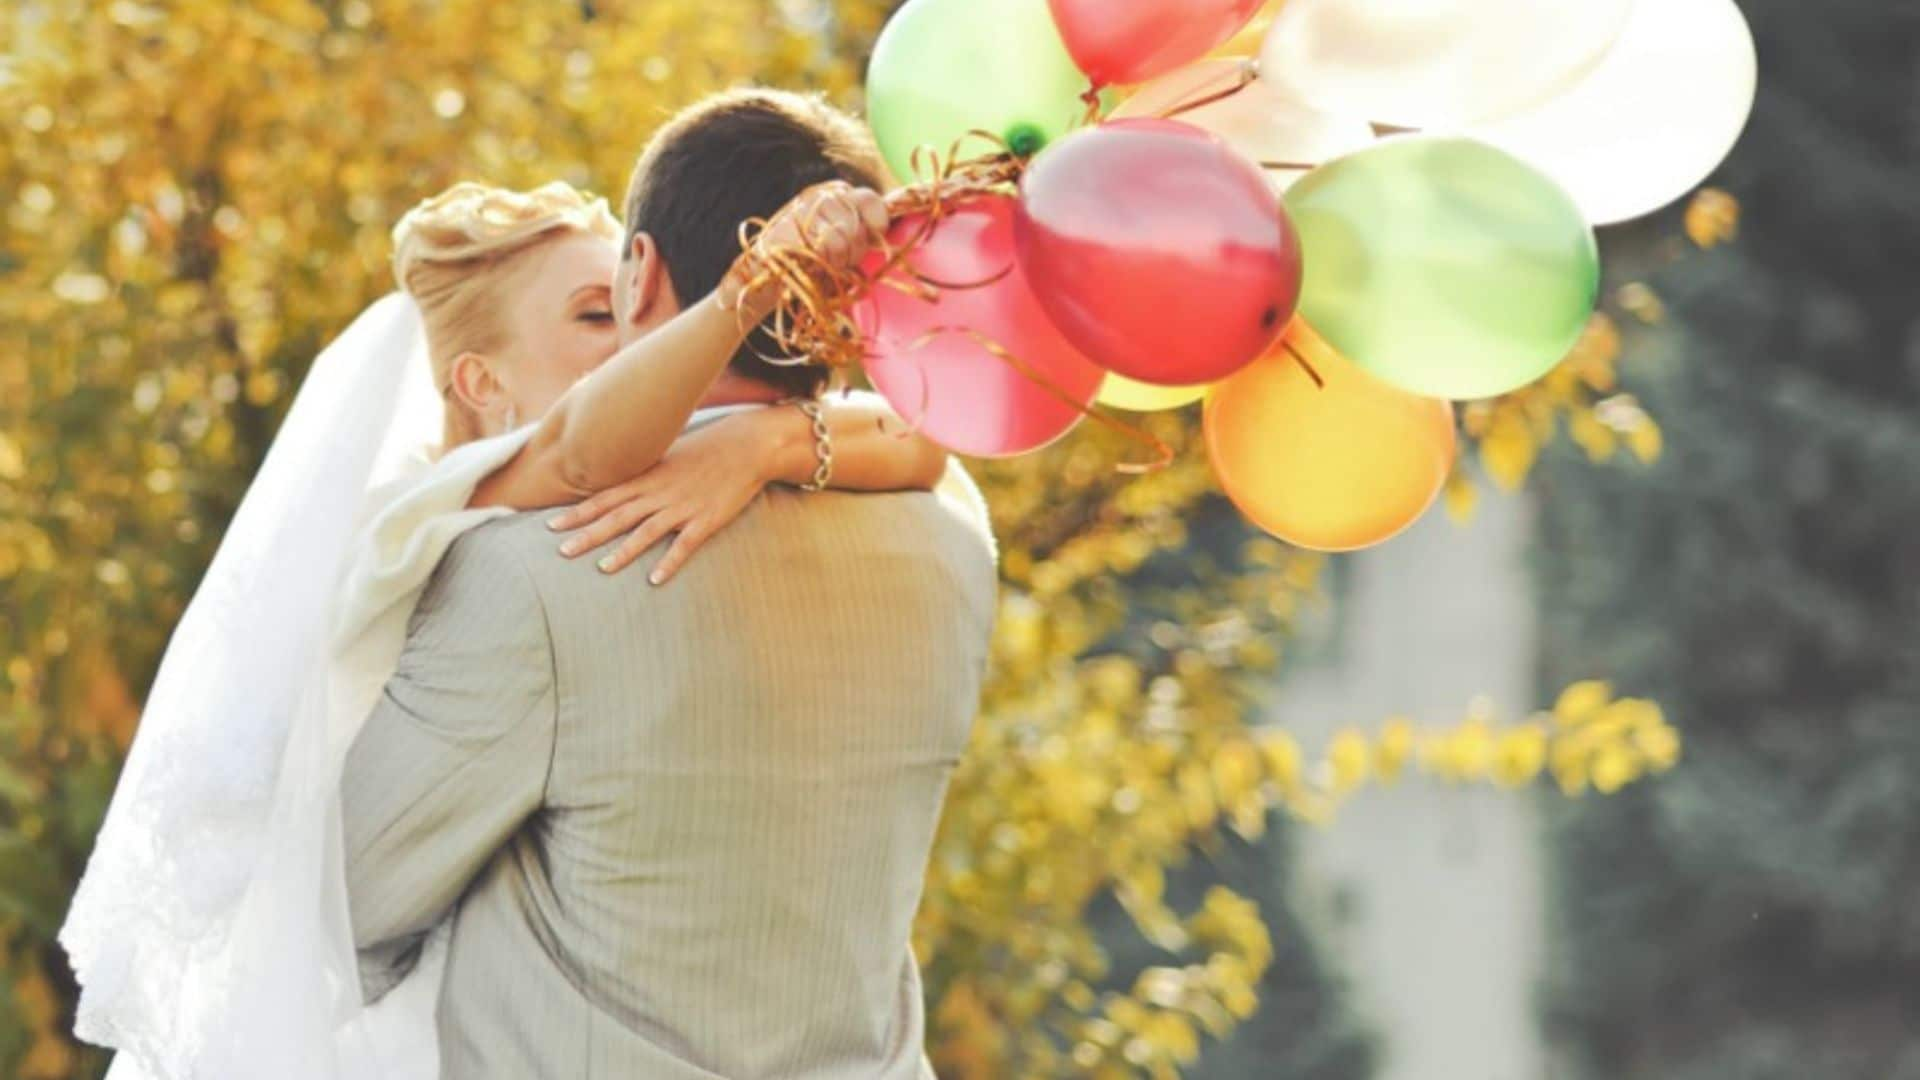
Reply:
x=456, y=253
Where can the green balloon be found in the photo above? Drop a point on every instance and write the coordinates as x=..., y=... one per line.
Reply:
x=943, y=68
x=1443, y=265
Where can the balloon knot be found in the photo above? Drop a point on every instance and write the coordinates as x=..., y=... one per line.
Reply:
x=1025, y=140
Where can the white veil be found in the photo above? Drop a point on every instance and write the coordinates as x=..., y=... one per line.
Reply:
x=210, y=933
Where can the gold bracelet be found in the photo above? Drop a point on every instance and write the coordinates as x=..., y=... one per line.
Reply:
x=822, y=443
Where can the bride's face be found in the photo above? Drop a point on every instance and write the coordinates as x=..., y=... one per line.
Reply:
x=560, y=321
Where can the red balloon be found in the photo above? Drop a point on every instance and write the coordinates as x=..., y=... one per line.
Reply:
x=948, y=381
x=1158, y=251
x=1131, y=41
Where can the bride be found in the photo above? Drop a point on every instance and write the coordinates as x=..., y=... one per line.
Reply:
x=209, y=933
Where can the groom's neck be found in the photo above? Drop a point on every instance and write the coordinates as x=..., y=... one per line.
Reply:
x=732, y=388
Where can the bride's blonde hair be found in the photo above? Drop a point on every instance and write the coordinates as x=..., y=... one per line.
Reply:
x=454, y=252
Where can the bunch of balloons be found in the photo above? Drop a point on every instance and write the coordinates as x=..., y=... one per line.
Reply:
x=1329, y=218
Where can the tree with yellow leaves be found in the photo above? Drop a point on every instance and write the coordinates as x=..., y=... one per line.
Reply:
x=198, y=195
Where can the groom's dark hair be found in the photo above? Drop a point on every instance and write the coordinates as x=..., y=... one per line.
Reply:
x=732, y=157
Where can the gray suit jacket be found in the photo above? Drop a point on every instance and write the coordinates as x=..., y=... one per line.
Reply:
x=682, y=829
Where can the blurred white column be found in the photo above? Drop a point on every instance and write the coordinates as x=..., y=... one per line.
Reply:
x=1430, y=898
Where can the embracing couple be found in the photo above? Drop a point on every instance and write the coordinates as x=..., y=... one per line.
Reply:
x=431, y=785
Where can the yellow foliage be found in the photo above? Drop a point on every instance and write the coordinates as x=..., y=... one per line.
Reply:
x=1520, y=755
x=1581, y=700
x=1393, y=749
x=1582, y=393
x=1460, y=494
x=1588, y=738
x=1347, y=763
x=1712, y=218
x=1639, y=300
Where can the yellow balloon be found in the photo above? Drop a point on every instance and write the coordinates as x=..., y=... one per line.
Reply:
x=1132, y=395
x=1333, y=467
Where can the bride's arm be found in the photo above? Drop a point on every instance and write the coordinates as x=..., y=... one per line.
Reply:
x=710, y=476
x=618, y=421
x=873, y=449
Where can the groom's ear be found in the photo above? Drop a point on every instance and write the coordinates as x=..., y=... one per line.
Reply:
x=647, y=298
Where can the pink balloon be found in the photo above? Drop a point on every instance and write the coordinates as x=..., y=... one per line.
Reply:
x=1158, y=251
x=1130, y=41
x=947, y=381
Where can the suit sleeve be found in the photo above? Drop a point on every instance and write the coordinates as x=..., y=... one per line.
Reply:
x=453, y=759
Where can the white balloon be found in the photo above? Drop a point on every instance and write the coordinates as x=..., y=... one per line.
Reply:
x=1435, y=63
x=1257, y=120
x=1658, y=114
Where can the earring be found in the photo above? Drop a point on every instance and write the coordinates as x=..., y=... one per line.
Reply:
x=513, y=418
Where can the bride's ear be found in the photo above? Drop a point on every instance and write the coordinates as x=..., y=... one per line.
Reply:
x=472, y=381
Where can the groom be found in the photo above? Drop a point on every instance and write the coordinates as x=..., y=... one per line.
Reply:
x=681, y=830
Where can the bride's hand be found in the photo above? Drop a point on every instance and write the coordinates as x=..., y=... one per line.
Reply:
x=704, y=482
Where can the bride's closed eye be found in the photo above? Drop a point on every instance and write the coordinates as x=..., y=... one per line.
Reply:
x=593, y=304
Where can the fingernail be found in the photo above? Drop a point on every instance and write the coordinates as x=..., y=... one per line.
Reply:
x=606, y=565
x=557, y=523
x=571, y=547
x=654, y=578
